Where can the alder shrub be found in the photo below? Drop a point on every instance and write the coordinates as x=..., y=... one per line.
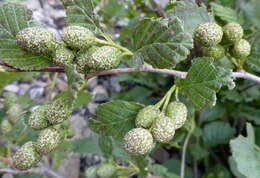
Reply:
x=196, y=114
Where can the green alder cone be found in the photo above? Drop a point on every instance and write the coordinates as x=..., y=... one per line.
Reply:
x=146, y=116
x=63, y=56
x=208, y=34
x=14, y=112
x=10, y=99
x=163, y=129
x=48, y=140
x=91, y=172
x=26, y=157
x=78, y=37
x=99, y=58
x=36, y=40
x=216, y=52
x=178, y=112
x=6, y=126
x=241, y=49
x=233, y=32
x=58, y=111
x=106, y=170
x=37, y=119
x=138, y=141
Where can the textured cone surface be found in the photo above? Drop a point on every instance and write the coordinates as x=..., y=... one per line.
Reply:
x=100, y=58
x=26, y=157
x=178, y=112
x=91, y=172
x=48, y=140
x=58, y=111
x=208, y=34
x=14, y=112
x=233, y=32
x=216, y=52
x=63, y=56
x=163, y=129
x=10, y=99
x=6, y=126
x=36, y=40
x=38, y=120
x=241, y=49
x=138, y=141
x=146, y=116
x=106, y=170
x=78, y=37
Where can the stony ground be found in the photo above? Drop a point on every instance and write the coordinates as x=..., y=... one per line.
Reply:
x=51, y=14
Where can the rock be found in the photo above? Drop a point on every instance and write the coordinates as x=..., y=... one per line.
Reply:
x=92, y=83
x=12, y=88
x=100, y=94
x=36, y=92
x=92, y=107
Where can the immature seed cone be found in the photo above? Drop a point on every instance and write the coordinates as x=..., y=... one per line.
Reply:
x=138, y=141
x=91, y=172
x=106, y=170
x=178, y=112
x=5, y=126
x=78, y=37
x=241, y=49
x=163, y=129
x=48, y=140
x=146, y=116
x=63, y=56
x=14, y=112
x=208, y=34
x=99, y=58
x=58, y=111
x=26, y=157
x=38, y=120
x=36, y=40
x=216, y=52
x=10, y=99
x=233, y=32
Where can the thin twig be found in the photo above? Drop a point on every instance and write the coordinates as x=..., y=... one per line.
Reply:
x=183, y=156
x=240, y=74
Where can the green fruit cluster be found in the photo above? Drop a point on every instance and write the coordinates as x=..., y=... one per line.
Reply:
x=211, y=35
x=44, y=117
x=154, y=126
x=78, y=45
x=13, y=112
x=104, y=170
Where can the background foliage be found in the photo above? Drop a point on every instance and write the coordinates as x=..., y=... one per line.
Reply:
x=224, y=123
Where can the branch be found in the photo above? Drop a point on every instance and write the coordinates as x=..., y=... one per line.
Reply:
x=240, y=74
x=183, y=156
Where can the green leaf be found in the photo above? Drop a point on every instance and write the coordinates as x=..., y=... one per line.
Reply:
x=203, y=81
x=251, y=12
x=246, y=156
x=191, y=14
x=225, y=13
x=159, y=170
x=81, y=13
x=14, y=18
x=218, y=171
x=233, y=167
x=161, y=42
x=83, y=97
x=86, y=145
x=198, y=152
x=115, y=118
x=249, y=113
x=253, y=60
x=216, y=133
x=212, y=113
x=106, y=145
